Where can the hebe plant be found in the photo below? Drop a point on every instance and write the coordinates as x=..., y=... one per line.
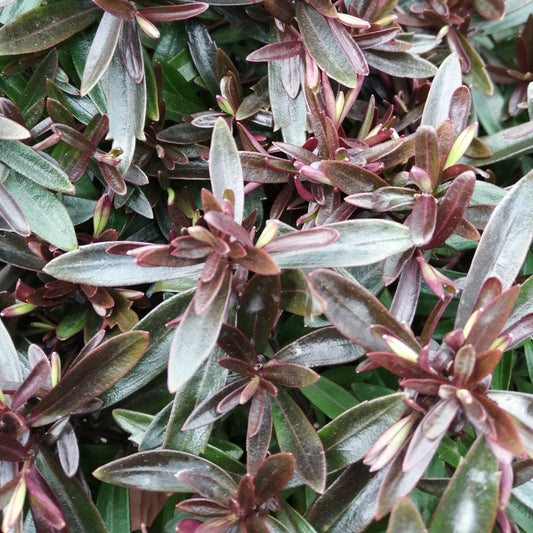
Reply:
x=266, y=266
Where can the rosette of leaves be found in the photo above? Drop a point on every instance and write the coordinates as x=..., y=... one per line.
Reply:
x=36, y=411
x=454, y=378
x=241, y=507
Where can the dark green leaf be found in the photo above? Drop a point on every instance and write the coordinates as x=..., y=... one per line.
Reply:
x=94, y=374
x=44, y=212
x=329, y=397
x=203, y=52
x=296, y=435
x=198, y=330
x=349, y=504
x=348, y=438
x=46, y=26
x=133, y=422
x=225, y=167
x=400, y=64
x=92, y=265
x=406, y=518
x=80, y=512
x=503, y=246
x=33, y=166
x=114, y=505
x=156, y=470
x=15, y=252
x=470, y=502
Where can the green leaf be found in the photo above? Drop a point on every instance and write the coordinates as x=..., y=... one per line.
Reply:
x=45, y=26
x=33, y=166
x=470, y=502
x=45, y=213
x=296, y=435
x=156, y=471
x=447, y=79
x=72, y=323
x=133, y=422
x=203, y=52
x=292, y=519
x=406, y=518
x=9, y=359
x=14, y=251
x=400, y=64
x=101, y=51
x=114, y=505
x=80, y=512
x=503, y=246
x=325, y=346
x=360, y=242
x=154, y=361
x=348, y=438
x=126, y=108
x=323, y=47
x=198, y=330
x=349, y=504
x=225, y=167
x=92, y=265
x=329, y=397
x=154, y=433
x=207, y=380
x=290, y=115
x=91, y=376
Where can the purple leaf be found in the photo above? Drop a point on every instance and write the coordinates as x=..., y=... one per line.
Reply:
x=31, y=385
x=289, y=374
x=272, y=475
x=423, y=218
x=169, y=13
x=257, y=443
x=427, y=153
x=276, y=51
x=68, y=451
x=131, y=51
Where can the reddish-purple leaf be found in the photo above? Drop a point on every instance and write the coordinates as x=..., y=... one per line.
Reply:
x=238, y=366
x=31, y=385
x=423, y=218
x=488, y=325
x=246, y=494
x=200, y=507
x=212, y=487
x=94, y=374
x=352, y=179
x=289, y=374
x=113, y=177
x=235, y=344
x=119, y=8
x=349, y=47
x=12, y=450
x=272, y=475
x=169, y=13
x=210, y=282
x=304, y=239
x=426, y=386
x=68, y=451
x=276, y=51
x=131, y=51
x=427, y=152
x=228, y=226
x=452, y=208
x=259, y=261
x=259, y=432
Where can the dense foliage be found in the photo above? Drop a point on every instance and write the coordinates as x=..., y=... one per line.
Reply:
x=265, y=266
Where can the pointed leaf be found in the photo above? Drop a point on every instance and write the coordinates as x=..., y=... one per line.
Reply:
x=9, y=360
x=32, y=165
x=114, y=505
x=94, y=374
x=198, y=330
x=296, y=435
x=423, y=219
x=92, y=265
x=323, y=47
x=352, y=309
x=348, y=438
x=273, y=474
x=44, y=212
x=446, y=81
x=503, y=246
x=80, y=513
x=401, y=64
x=406, y=518
x=225, y=167
x=471, y=499
x=45, y=26
x=349, y=504
x=330, y=398
x=102, y=49
x=10, y=129
x=360, y=242
x=157, y=471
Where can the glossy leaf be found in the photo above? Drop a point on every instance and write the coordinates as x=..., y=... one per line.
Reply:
x=157, y=471
x=446, y=81
x=225, y=167
x=348, y=438
x=471, y=498
x=360, y=242
x=92, y=265
x=10, y=369
x=405, y=517
x=80, y=512
x=46, y=26
x=44, y=212
x=29, y=163
x=323, y=47
x=296, y=435
x=329, y=397
x=272, y=476
x=9, y=129
x=94, y=374
x=348, y=504
x=198, y=330
x=113, y=503
x=503, y=246
x=401, y=64
x=101, y=51
x=353, y=309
